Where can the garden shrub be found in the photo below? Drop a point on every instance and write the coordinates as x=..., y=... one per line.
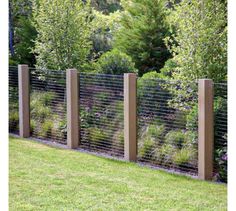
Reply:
x=166, y=153
x=47, y=128
x=221, y=158
x=156, y=131
x=220, y=144
x=220, y=108
x=150, y=140
x=14, y=120
x=44, y=121
x=175, y=138
x=192, y=118
x=97, y=135
x=190, y=139
x=39, y=104
x=184, y=156
x=178, y=148
x=121, y=137
x=62, y=128
x=43, y=98
x=86, y=117
x=115, y=62
x=146, y=148
x=33, y=125
x=118, y=140
x=40, y=112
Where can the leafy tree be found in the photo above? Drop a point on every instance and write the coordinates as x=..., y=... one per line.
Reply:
x=102, y=36
x=21, y=32
x=143, y=28
x=199, y=42
x=64, y=29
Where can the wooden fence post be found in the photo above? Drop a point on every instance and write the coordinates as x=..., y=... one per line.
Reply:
x=24, y=106
x=130, y=122
x=205, y=129
x=72, y=87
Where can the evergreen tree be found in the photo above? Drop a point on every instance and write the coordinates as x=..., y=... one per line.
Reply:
x=22, y=33
x=143, y=28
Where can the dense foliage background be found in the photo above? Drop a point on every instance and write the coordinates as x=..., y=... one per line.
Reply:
x=157, y=39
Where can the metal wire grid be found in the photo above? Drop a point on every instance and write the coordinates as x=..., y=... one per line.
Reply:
x=48, y=105
x=13, y=100
x=220, y=130
x=101, y=113
x=165, y=137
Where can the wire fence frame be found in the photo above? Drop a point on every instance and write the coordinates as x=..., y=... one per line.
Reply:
x=164, y=139
x=101, y=113
x=48, y=104
x=167, y=134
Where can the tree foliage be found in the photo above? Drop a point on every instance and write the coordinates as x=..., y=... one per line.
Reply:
x=102, y=36
x=143, y=28
x=64, y=29
x=106, y=6
x=22, y=33
x=199, y=42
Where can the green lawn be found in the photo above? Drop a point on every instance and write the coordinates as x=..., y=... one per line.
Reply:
x=47, y=178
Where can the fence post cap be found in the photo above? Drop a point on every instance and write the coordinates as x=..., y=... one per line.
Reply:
x=71, y=70
x=205, y=79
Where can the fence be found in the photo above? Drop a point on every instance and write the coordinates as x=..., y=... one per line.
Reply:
x=13, y=100
x=166, y=138
x=48, y=104
x=168, y=124
x=101, y=113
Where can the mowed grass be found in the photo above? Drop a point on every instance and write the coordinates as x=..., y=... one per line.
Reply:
x=47, y=178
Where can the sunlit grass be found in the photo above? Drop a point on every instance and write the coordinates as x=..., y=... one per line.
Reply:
x=47, y=178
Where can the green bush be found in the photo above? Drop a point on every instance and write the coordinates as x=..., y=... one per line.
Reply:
x=175, y=139
x=97, y=135
x=86, y=117
x=192, y=119
x=221, y=158
x=220, y=108
x=33, y=125
x=62, y=127
x=44, y=98
x=146, y=148
x=155, y=131
x=39, y=111
x=190, y=139
x=166, y=154
x=121, y=137
x=184, y=156
x=47, y=128
x=114, y=62
x=39, y=104
x=118, y=139
x=151, y=139
x=14, y=120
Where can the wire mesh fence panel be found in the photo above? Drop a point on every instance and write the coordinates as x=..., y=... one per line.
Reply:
x=101, y=113
x=168, y=124
x=48, y=105
x=13, y=100
x=220, y=131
